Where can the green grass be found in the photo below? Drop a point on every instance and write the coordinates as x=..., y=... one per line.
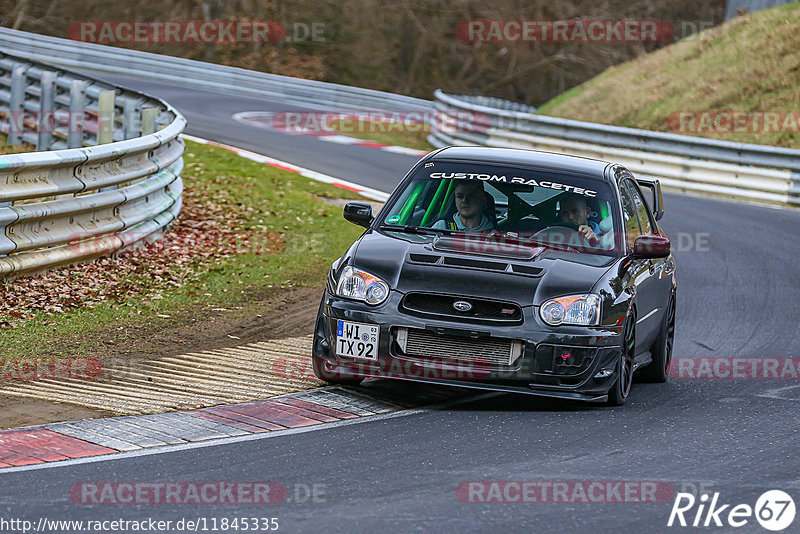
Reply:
x=266, y=200
x=397, y=134
x=749, y=63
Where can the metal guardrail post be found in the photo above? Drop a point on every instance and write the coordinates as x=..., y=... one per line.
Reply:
x=5, y=205
x=105, y=122
x=18, y=83
x=105, y=117
x=46, y=121
x=149, y=115
x=794, y=190
x=77, y=108
x=130, y=119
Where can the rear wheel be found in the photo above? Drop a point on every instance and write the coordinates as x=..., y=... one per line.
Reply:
x=658, y=369
x=619, y=392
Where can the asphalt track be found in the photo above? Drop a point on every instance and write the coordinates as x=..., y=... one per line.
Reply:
x=738, y=297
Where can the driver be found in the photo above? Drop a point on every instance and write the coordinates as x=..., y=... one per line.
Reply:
x=574, y=210
x=470, y=203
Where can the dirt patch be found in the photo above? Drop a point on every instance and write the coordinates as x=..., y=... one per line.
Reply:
x=284, y=313
x=20, y=411
x=281, y=313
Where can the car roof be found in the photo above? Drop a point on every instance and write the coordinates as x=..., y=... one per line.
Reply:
x=521, y=157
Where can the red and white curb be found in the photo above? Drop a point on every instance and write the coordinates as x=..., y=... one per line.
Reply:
x=262, y=119
x=73, y=440
x=364, y=191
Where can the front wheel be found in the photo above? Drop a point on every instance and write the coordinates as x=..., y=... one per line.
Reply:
x=658, y=369
x=619, y=392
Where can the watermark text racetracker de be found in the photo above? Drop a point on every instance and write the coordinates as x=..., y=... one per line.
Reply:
x=61, y=121
x=190, y=492
x=74, y=368
x=578, y=30
x=365, y=122
x=195, y=31
x=564, y=491
x=735, y=368
x=734, y=122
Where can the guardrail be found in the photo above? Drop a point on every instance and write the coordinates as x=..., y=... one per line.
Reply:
x=201, y=75
x=75, y=199
x=688, y=164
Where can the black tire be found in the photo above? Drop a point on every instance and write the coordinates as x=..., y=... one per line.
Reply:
x=322, y=372
x=658, y=370
x=619, y=392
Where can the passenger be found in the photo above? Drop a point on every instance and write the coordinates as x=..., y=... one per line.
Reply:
x=574, y=210
x=471, y=203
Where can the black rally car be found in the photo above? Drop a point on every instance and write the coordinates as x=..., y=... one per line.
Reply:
x=507, y=270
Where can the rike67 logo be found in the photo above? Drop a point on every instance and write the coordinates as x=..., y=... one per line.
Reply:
x=774, y=510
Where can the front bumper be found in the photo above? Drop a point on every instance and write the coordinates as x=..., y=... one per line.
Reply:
x=533, y=372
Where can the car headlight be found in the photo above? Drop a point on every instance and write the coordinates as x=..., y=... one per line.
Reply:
x=357, y=284
x=575, y=310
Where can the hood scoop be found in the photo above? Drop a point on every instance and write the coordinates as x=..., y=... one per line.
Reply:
x=471, y=263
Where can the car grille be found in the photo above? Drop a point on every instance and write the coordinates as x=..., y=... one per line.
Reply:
x=486, y=351
x=442, y=305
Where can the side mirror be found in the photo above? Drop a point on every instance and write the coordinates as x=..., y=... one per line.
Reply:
x=657, y=207
x=651, y=246
x=358, y=213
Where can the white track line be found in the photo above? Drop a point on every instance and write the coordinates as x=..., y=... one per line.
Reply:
x=341, y=139
x=404, y=150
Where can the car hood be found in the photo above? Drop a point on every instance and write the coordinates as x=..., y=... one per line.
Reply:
x=410, y=262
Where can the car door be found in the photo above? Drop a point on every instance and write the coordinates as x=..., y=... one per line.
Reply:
x=650, y=307
x=640, y=271
x=663, y=268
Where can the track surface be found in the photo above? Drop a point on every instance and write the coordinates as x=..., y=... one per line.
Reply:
x=738, y=296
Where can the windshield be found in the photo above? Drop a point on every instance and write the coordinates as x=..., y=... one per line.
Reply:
x=565, y=211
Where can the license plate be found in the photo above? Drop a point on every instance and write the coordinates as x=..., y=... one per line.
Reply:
x=357, y=340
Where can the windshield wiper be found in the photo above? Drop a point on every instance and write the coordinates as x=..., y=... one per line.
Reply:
x=408, y=229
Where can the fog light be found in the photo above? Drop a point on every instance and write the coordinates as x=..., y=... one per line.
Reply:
x=564, y=361
x=604, y=373
x=376, y=293
x=569, y=358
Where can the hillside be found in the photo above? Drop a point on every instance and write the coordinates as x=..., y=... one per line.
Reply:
x=750, y=65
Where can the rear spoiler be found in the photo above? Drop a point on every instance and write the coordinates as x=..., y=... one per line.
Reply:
x=657, y=204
